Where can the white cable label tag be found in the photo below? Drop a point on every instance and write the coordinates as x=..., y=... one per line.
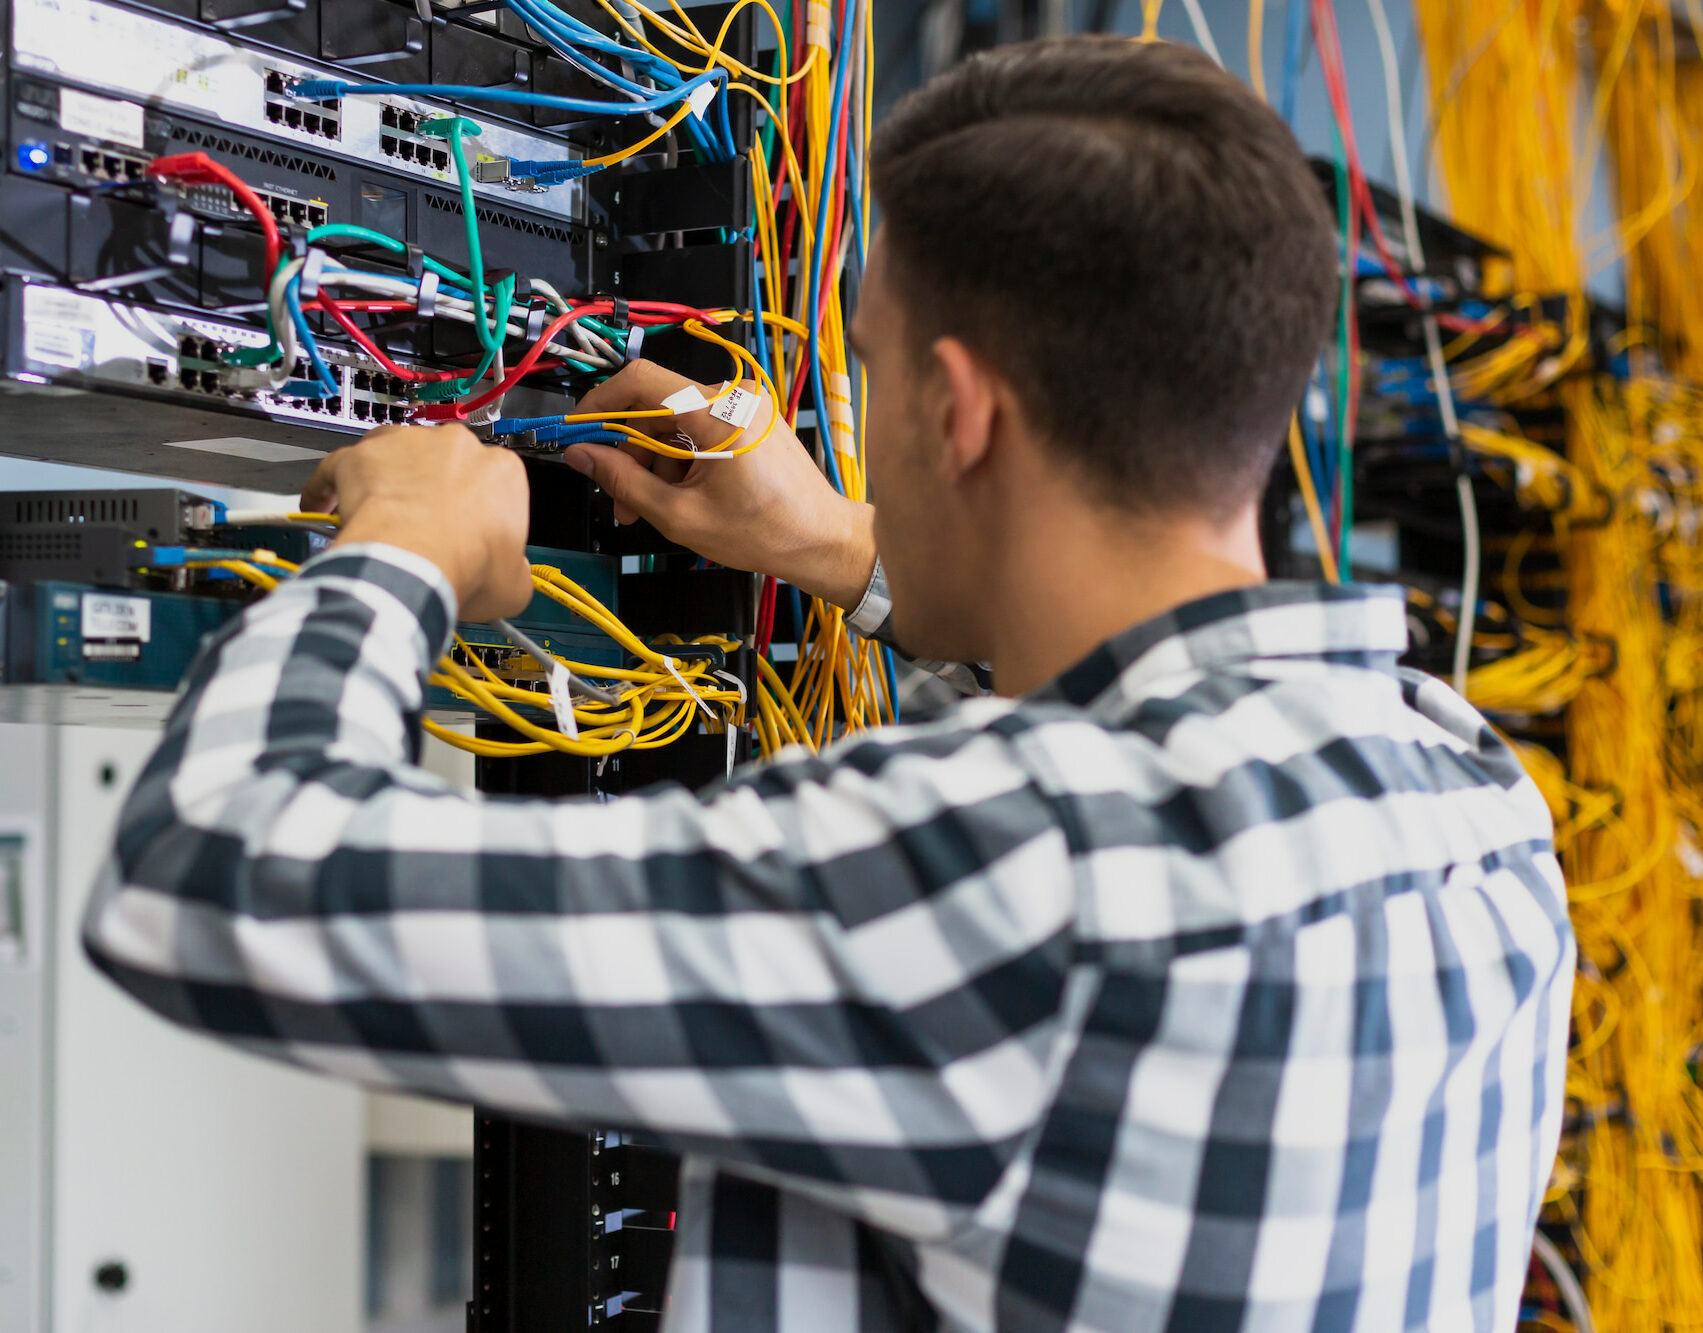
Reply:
x=562, y=700
x=732, y=731
x=699, y=99
x=818, y=22
x=689, y=399
x=736, y=407
x=696, y=697
x=842, y=429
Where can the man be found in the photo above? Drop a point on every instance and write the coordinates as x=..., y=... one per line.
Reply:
x=1214, y=977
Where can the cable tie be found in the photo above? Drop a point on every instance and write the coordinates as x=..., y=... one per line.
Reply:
x=635, y=342
x=426, y=300
x=313, y=273
x=180, y=247
x=535, y=318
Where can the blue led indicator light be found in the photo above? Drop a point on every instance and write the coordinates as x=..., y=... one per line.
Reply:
x=33, y=156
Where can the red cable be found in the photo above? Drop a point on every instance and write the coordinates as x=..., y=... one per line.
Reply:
x=199, y=169
x=373, y=350
x=527, y=364
x=766, y=616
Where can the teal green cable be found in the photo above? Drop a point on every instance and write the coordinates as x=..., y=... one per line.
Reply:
x=347, y=231
x=454, y=129
x=448, y=389
x=1345, y=428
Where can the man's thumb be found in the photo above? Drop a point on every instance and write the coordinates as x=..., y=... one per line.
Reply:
x=633, y=487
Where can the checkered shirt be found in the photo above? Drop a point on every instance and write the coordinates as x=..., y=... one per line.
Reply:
x=1220, y=985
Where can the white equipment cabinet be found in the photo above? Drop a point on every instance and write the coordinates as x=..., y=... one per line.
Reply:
x=150, y=1181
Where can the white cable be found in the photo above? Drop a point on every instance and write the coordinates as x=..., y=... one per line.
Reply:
x=1469, y=581
x=1398, y=129
x=1202, y=33
x=1566, y=1283
x=1471, y=553
x=493, y=409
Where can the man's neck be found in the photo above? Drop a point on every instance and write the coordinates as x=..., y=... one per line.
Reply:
x=1066, y=589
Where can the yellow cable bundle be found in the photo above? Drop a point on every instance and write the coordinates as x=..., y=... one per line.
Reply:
x=1626, y=801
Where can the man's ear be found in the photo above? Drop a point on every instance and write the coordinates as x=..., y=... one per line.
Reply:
x=970, y=400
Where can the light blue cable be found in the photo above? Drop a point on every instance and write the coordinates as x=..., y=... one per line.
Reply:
x=818, y=259
x=330, y=90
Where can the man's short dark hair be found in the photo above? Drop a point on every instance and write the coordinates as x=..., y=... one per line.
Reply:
x=1133, y=239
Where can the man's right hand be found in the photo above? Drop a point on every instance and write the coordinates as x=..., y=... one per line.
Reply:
x=770, y=510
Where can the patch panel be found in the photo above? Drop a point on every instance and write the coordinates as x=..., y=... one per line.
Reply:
x=324, y=119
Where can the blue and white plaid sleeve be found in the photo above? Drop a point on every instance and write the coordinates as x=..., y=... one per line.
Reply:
x=845, y=973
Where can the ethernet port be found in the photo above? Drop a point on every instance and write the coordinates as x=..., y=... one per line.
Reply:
x=91, y=162
x=293, y=117
x=398, y=414
x=331, y=126
x=186, y=378
x=209, y=350
x=112, y=166
x=209, y=381
x=275, y=113
x=187, y=345
x=157, y=372
x=396, y=387
x=405, y=150
x=387, y=117
x=440, y=159
x=360, y=409
x=410, y=121
x=298, y=213
x=316, y=215
x=275, y=82
x=299, y=370
x=280, y=209
x=133, y=169
x=310, y=124
x=363, y=381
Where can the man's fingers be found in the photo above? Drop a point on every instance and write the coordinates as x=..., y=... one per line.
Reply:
x=320, y=493
x=634, y=388
x=636, y=490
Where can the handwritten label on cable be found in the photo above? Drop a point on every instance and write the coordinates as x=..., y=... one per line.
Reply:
x=736, y=407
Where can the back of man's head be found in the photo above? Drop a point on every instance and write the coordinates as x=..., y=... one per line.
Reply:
x=1133, y=240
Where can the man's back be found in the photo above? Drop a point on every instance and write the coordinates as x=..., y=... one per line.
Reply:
x=1307, y=1069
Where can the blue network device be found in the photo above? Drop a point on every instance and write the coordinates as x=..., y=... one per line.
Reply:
x=69, y=633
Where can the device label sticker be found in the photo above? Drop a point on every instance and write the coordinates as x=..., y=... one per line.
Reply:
x=101, y=118
x=116, y=627
x=56, y=345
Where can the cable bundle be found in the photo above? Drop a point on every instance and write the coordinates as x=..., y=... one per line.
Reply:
x=1625, y=1194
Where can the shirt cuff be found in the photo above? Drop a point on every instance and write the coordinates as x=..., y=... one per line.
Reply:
x=872, y=613
x=409, y=579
